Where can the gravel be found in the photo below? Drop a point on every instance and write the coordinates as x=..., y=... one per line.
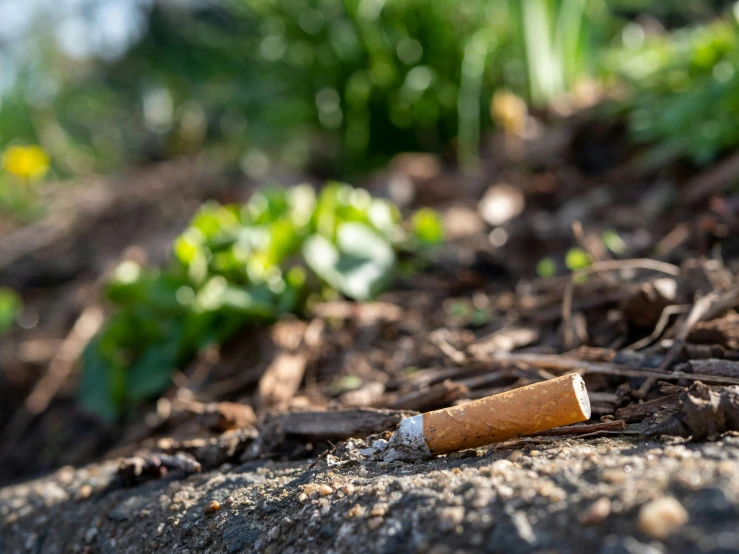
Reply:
x=608, y=496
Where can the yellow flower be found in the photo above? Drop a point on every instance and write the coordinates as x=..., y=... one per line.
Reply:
x=27, y=162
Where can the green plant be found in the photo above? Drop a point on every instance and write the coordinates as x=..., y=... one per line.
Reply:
x=546, y=267
x=383, y=77
x=10, y=306
x=576, y=258
x=236, y=266
x=336, y=85
x=557, y=38
x=685, y=91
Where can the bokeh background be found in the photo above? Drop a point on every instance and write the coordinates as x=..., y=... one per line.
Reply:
x=332, y=87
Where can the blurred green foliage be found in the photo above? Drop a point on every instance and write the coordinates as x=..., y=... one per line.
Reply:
x=10, y=307
x=576, y=258
x=558, y=40
x=236, y=266
x=546, y=267
x=337, y=86
x=685, y=90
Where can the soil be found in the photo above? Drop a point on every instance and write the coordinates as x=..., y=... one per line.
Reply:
x=573, y=495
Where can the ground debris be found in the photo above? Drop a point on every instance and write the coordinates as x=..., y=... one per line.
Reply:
x=212, y=451
x=429, y=398
x=711, y=366
x=218, y=416
x=339, y=424
x=704, y=412
x=290, y=434
x=653, y=408
x=147, y=465
x=723, y=331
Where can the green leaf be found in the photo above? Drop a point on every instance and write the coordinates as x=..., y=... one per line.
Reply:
x=577, y=258
x=10, y=306
x=546, y=267
x=358, y=266
x=385, y=218
x=614, y=242
x=188, y=246
x=96, y=392
x=427, y=227
x=213, y=220
x=151, y=374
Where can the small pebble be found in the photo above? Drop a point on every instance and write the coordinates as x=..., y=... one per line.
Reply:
x=85, y=491
x=379, y=509
x=661, y=517
x=302, y=497
x=515, y=456
x=615, y=476
x=325, y=490
x=274, y=533
x=355, y=511
x=450, y=517
x=212, y=506
x=90, y=534
x=374, y=522
x=65, y=474
x=596, y=512
x=348, y=489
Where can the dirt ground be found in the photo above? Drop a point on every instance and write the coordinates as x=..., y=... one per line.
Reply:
x=574, y=495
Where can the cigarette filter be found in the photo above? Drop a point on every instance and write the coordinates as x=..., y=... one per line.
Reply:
x=516, y=413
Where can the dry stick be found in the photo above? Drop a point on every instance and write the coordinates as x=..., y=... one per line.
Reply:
x=544, y=440
x=282, y=379
x=62, y=364
x=639, y=412
x=726, y=301
x=591, y=244
x=584, y=429
x=565, y=363
x=610, y=265
x=441, y=394
x=713, y=180
x=60, y=367
x=699, y=309
x=713, y=366
x=454, y=354
x=664, y=319
x=707, y=307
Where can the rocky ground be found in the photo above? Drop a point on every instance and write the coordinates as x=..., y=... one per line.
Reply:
x=606, y=495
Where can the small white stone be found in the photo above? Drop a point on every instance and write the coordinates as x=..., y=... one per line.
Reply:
x=661, y=517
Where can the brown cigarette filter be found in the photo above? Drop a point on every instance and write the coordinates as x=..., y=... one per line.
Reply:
x=515, y=413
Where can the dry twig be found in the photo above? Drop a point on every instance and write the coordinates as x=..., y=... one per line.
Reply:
x=598, y=267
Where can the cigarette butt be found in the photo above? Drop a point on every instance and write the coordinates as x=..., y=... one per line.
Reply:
x=516, y=413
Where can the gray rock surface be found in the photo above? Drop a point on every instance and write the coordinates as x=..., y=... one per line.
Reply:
x=556, y=496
